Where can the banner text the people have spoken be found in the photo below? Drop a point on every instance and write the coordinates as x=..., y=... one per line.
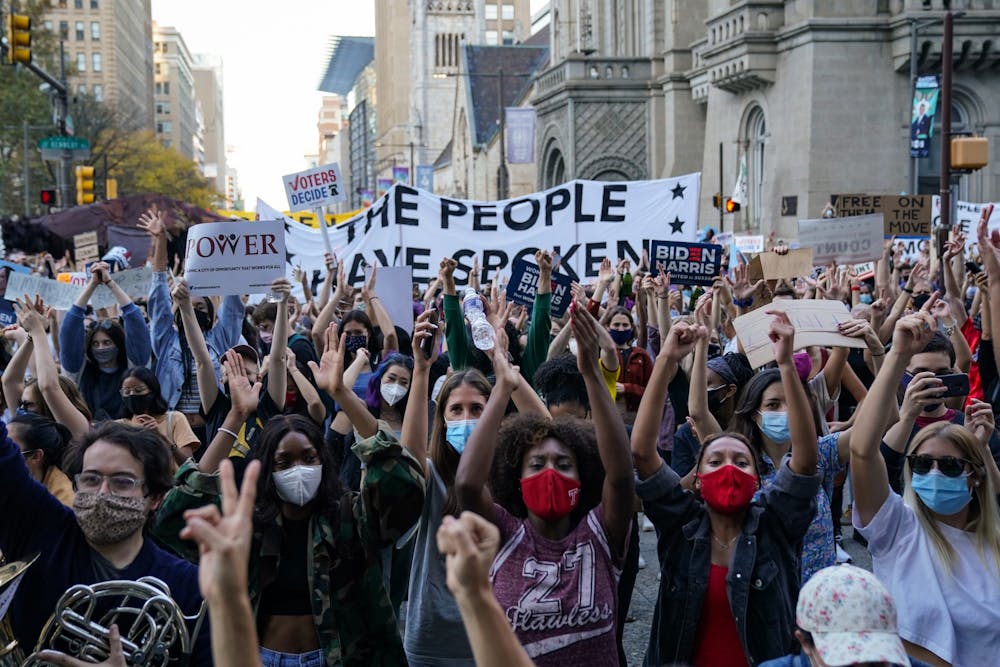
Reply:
x=585, y=221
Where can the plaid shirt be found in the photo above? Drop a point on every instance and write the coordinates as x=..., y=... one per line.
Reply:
x=355, y=622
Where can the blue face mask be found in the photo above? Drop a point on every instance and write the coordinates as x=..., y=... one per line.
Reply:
x=942, y=494
x=774, y=425
x=866, y=298
x=458, y=432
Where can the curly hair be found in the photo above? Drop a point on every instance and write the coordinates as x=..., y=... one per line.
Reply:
x=519, y=434
x=145, y=445
x=558, y=381
x=268, y=505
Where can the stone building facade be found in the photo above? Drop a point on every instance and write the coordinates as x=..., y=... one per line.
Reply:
x=814, y=96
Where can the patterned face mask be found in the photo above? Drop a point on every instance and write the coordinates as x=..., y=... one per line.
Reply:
x=106, y=518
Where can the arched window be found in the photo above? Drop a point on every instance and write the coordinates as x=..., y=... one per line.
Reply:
x=755, y=142
x=555, y=167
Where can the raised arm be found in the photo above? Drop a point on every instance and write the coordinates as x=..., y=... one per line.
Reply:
x=72, y=334
x=277, y=380
x=63, y=410
x=414, y=435
x=868, y=471
x=13, y=376
x=328, y=311
x=805, y=450
x=954, y=250
x=244, y=399
x=645, y=431
x=612, y=440
x=208, y=383
x=329, y=376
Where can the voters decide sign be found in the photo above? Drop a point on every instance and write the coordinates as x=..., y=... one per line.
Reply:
x=687, y=263
x=314, y=188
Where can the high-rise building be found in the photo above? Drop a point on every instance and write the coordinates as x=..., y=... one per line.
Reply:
x=207, y=72
x=417, y=54
x=176, y=120
x=109, y=51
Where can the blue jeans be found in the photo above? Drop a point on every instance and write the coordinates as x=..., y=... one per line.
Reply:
x=269, y=658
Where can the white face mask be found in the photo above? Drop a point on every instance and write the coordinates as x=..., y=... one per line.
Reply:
x=299, y=484
x=393, y=393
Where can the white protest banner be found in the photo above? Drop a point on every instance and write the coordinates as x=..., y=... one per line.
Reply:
x=966, y=219
x=584, y=221
x=843, y=240
x=815, y=322
x=55, y=294
x=314, y=188
x=749, y=245
x=134, y=282
x=303, y=248
x=394, y=288
x=234, y=257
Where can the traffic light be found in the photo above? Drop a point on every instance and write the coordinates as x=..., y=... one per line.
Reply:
x=48, y=197
x=84, y=185
x=717, y=200
x=111, y=188
x=18, y=39
x=731, y=206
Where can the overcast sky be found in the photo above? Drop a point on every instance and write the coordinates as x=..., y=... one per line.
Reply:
x=273, y=56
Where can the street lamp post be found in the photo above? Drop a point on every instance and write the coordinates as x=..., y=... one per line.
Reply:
x=915, y=28
x=946, y=60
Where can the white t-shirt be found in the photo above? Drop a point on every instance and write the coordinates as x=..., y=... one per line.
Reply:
x=956, y=615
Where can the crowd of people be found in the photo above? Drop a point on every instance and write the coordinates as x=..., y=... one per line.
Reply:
x=337, y=488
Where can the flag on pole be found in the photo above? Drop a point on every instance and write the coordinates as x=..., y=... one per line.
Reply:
x=740, y=195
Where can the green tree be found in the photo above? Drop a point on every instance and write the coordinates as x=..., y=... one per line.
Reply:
x=144, y=165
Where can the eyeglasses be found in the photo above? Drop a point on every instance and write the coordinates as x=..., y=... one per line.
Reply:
x=950, y=466
x=134, y=392
x=106, y=325
x=27, y=406
x=28, y=452
x=119, y=484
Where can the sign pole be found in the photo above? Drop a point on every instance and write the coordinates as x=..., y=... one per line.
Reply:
x=321, y=221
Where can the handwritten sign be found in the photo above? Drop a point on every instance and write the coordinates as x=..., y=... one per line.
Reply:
x=843, y=240
x=523, y=286
x=58, y=295
x=314, y=188
x=815, y=322
x=134, y=282
x=687, y=263
x=749, y=245
x=234, y=257
x=903, y=215
x=772, y=266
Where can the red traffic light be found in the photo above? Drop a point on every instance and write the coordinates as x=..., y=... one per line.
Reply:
x=48, y=197
x=731, y=206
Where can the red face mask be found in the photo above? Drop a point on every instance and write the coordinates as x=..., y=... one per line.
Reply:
x=728, y=490
x=550, y=495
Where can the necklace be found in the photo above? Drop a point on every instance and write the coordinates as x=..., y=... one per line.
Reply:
x=725, y=545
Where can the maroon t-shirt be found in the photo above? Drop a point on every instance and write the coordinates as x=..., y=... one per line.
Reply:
x=560, y=596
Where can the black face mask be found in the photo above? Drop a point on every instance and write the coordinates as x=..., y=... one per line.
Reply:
x=204, y=320
x=715, y=398
x=138, y=404
x=714, y=350
x=919, y=300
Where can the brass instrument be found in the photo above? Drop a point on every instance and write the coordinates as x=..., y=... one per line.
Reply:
x=154, y=630
x=11, y=654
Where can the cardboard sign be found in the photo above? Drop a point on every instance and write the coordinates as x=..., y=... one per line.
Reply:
x=749, y=245
x=843, y=240
x=85, y=239
x=966, y=220
x=223, y=258
x=314, y=188
x=55, y=294
x=772, y=266
x=523, y=286
x=687, y=263
x=904, y=215
x=815, y=322
x=85, y=247
x=134, y=282
x=394, y=288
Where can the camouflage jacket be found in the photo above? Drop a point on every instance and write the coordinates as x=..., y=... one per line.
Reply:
x=355, y=622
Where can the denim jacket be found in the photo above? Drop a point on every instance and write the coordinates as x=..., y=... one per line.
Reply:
x=169, y=363
x=763, y=580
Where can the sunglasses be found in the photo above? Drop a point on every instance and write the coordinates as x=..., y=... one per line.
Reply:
x=950, y=466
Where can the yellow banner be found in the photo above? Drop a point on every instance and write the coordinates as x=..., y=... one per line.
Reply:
x=307, y=218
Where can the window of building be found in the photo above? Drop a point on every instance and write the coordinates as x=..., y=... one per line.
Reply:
x=81, y=89
x=491, y=37
x=78, y=4
x=158, y=88
x=166, y=87
x=48, y=26
x=164, y=127
x=98, y=92
x=491, y=12
x=163, y=108
x=95, y=64
x=508, y=37
x=95, y=31
x=81, y=62
x=93, y=4
x=64, y=30
x=756, y=144
x=80, y=36
x=508, y=12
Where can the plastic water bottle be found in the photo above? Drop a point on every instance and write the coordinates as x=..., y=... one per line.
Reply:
x=483, y=336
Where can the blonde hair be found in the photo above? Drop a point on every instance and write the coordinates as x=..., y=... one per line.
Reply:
x=984, y=517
